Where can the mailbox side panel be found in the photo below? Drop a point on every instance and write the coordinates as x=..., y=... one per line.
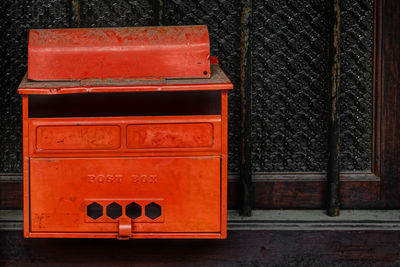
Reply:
x=25, y=136
x=185, y=192
x=224, y=162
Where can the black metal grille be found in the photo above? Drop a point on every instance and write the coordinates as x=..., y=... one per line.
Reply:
x=16, y=20
x=93, y=13
x=356, y=84
x=289, y=71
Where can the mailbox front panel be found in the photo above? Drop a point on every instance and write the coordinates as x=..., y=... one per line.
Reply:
x=159, y=194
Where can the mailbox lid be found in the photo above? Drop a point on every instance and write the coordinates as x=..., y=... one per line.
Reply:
x=186, y=189
x=75, y=54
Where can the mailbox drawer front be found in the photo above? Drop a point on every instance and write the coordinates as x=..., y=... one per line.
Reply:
x=178, y=135
x=78, y=137
x=185, y=191
x=125, y=136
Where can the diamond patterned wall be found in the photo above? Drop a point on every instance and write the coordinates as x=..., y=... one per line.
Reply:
x=17, y=19
x=290, y=75
x=356, y=83
x=115, y=13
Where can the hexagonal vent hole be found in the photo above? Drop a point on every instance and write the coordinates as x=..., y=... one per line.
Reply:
x=133, y=210
x=153, y=210
x=94, y=210
x=114, y=210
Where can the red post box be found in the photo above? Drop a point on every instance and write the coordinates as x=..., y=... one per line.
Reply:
x=124, y=134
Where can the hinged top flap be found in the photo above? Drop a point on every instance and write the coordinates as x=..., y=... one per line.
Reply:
x=134, y=52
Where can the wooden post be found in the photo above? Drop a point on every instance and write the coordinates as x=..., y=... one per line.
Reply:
x=245, y=90
x=334, y=119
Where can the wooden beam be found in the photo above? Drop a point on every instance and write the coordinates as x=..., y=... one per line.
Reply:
x=246, y=95
x=333, y=174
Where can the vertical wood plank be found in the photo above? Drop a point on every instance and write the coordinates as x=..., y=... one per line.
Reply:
x=246, y=95
x=377, y=90
x=390, y=148
x=334, y=127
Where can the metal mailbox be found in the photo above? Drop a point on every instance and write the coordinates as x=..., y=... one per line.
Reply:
x=124, y=134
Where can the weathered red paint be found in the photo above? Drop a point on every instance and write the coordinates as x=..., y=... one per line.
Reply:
x=75, y=54
x=118, y=136
x=188, y=186
x=173, y=165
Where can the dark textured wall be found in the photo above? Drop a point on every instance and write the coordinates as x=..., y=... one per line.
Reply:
x=289, y=66
x=290, y=74
x=356, y=79
x=290, y=92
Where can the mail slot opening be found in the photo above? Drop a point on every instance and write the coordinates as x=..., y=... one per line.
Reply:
x=114, y=210
x=125, y=104
x=94, y=210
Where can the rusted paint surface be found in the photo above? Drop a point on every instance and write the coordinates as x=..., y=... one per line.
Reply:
x=182, y=135
x=187, y=189
x=334, y=135
x=74, y=54
x=125, y=136
x=78, y=137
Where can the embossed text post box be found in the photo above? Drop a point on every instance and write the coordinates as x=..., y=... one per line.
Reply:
x=124, y=134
